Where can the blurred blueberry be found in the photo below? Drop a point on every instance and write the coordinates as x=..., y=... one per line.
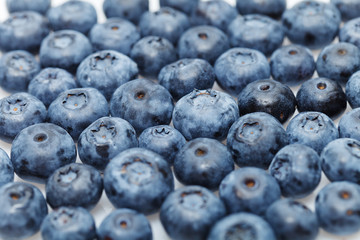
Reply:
x=185, y=6
x=352, y=90
x=272, y=8
x=349, y=125
x=40, y=6
x=6, y=169
x=130, y=10
x=349, y=9
x=350, y=32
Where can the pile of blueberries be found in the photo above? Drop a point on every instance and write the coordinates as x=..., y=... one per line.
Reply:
x=115, y=87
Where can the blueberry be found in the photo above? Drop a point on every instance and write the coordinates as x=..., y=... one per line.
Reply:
x=353, y=90
x=40, y=6
x=272, y=8
x=241, y=226
x=38, y=150
x=75, y=185
x=185, y=75
x=350, y=32
x=268, y=96
x=166, y=22
x=204, y=162
x=257, y=32
x=152, y=53
x=337, y=206
x=17, y=68
x=292, y=64
x=164, y=140
x=139, y=179
x=125, y=224
x=321, y=95
x=130, y=10
x=338, y=61
x=249, y=189
x=19, y=111
x=106, y=71
x=349, y=9
x=75, y=109
x=292, y=220
x=339, y=160
x=190, y=212
x=204, y=42
x=237, y=67
x=23, y=30
x=23, y=209
x=114, y=34
x=76, y=15
x=6, y=169
x=255, y=138
x=297, y=170
x=313, y=129
x=349, y=124
x=64, y=49
x=215, y=13
x=104, y=139
x=185, y=6
x=49, y=83
x=68, y=223
x=205, y=113
x=311, y=23
x=143, y=103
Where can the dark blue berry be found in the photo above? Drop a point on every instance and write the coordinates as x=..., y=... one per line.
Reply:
x=130, y=10
x=272, y=8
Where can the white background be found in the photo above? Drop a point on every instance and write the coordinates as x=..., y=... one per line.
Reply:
x=104, y=207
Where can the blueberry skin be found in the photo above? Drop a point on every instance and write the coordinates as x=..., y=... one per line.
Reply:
x=190, y=212
x=349, y=9
x=350, y=32
x=271, y=8
x=352, y=90
x=321, y=95
x=185, y=75
x=250, y=190
x=185, y=6
x=139, y=179
x=106, y=71
x=125, y=224
x=241, y=226
x=338, y=61
x=292, y=64
x=115, y=34
x=204, y=42
x=205, y=113
x=256, y=31
x=313, y=129
x=104, y=139
x=40, y=6
x=255, y=138
x=23, y=208
x=336, y=206
x=166, y=22
x=38, y=150
x=23, y=31
x=49, y=83
x=204, y=162
x=349, y=125
x=68, y=223
x=64, y=49
x=74, y=185
x=339, y=160
x=164, y=140
x=130, y=10
x=297, y=169
x=76, y=15
x=17, y=68
x=75, y=109
x=6, y=169
x=17, y=112
x=152, y=53
x=143, y=103
x=215, y=13
x=268, y=96
x=312, y=23
x=292, y=220
x=237, y=67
